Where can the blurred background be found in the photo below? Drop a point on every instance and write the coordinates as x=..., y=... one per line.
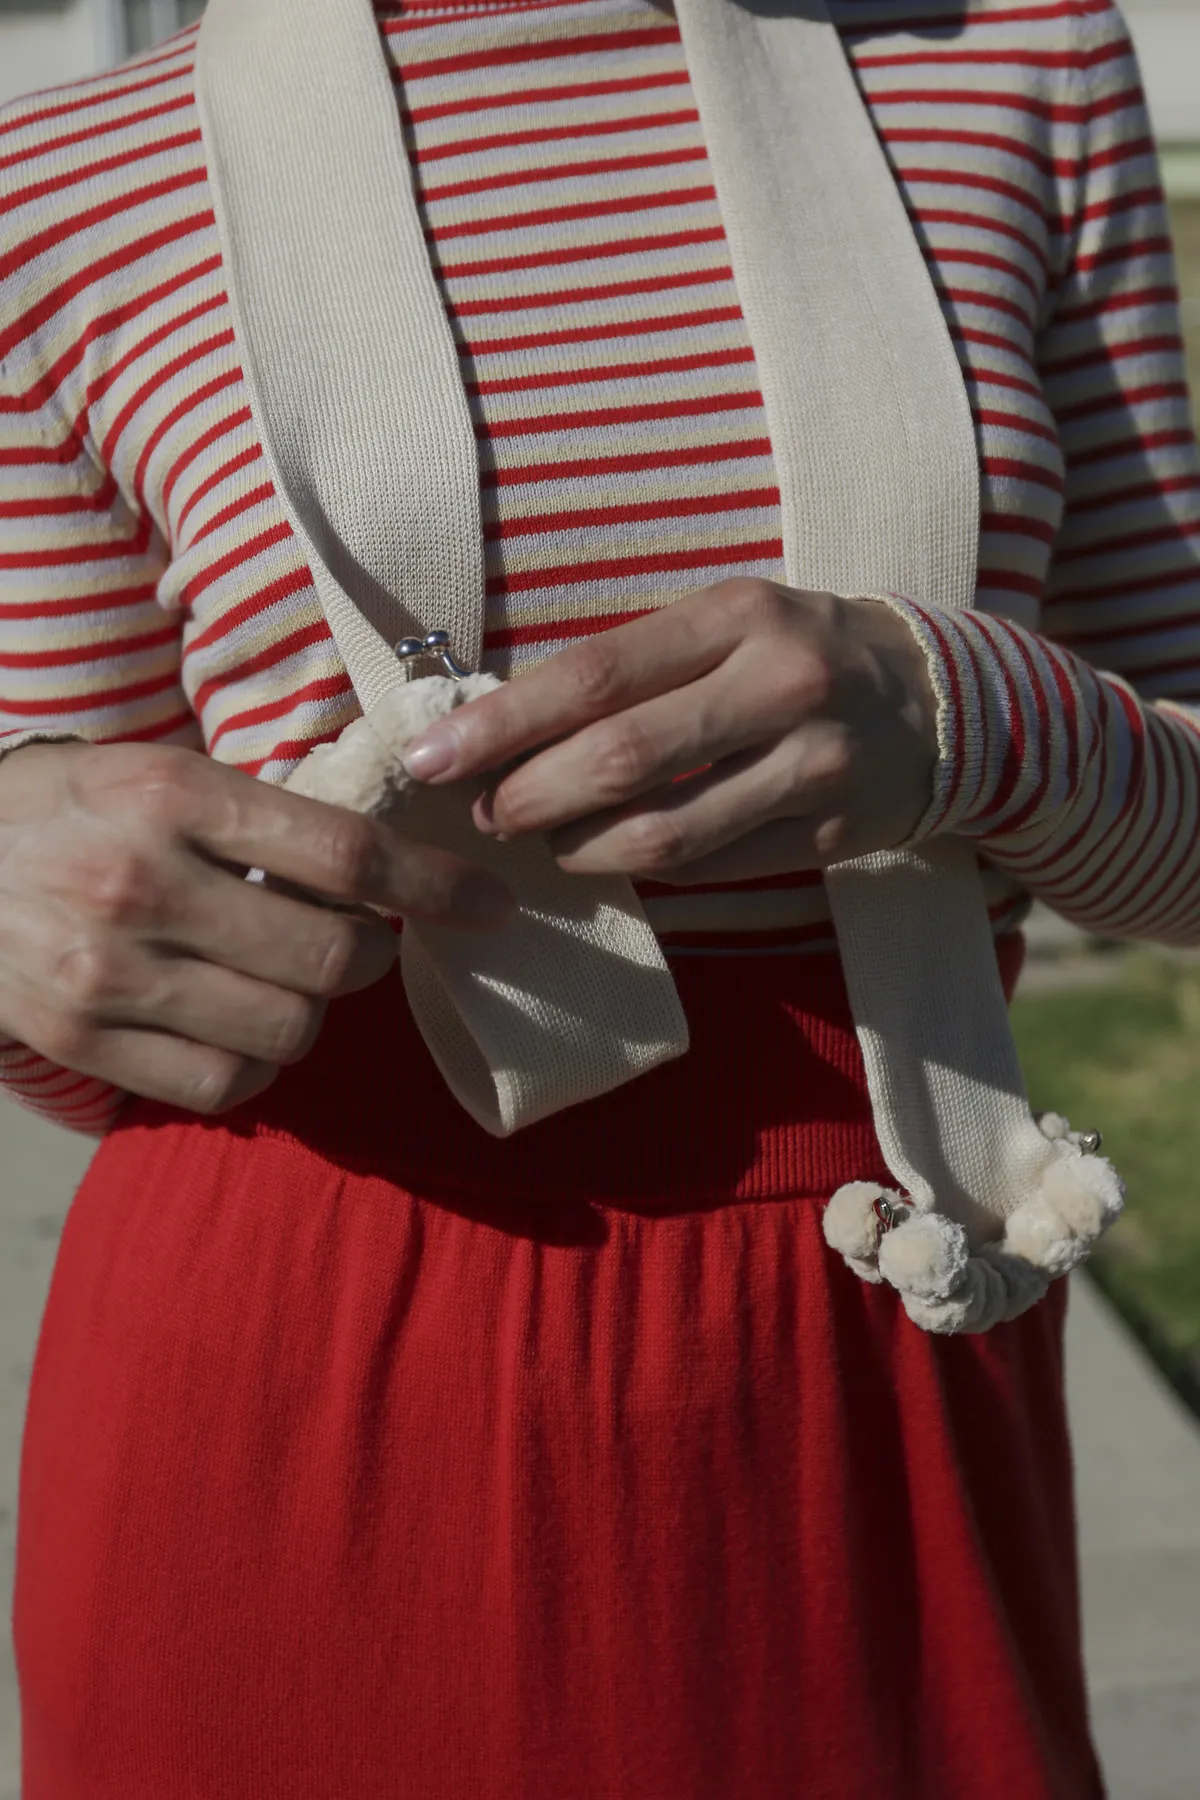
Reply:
x=1107, y=1034
x=45, y=42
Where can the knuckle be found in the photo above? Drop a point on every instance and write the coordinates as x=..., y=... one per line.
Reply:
x=164, y=788
x=817, y=767
x=814, y=681
x=831, y=759
x=832, y=839
x=756, y=604
x=67, y=1039
x=121, y=888
x=825, y=611
x=839, y=761
x=594, y=675
x=803, y=687
x=351, y=855
x=422, y=880
x=657, y=842
x=334, y=955
x=622, y=758
x=85, y=977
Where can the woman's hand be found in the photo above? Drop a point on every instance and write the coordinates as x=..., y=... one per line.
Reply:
x=132, y=949
x=804, y=724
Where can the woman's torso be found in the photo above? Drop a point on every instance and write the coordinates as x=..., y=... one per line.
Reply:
x=642, y=1485
x=625, y=456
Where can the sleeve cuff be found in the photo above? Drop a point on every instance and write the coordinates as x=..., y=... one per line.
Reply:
x=37, y=734
x=960, y=750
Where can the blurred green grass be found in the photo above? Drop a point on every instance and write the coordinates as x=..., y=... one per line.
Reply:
x=1125, y=1057
x=1185, y=230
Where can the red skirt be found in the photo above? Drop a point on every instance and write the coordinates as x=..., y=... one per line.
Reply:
x=368, y=1458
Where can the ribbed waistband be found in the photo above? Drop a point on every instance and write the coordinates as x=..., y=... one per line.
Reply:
x=770, y=1102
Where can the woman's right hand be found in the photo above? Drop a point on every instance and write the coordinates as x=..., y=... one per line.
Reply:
x=131, y=947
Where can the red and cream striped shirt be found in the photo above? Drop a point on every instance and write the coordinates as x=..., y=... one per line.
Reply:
x=152, y=588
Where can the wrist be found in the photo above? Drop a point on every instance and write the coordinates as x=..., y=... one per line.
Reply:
x=29, y=763
x=12, y=742
x=910, y=643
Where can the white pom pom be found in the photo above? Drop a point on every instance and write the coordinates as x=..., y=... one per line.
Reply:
x=474, y=686
x=973, y=1306
x=307, y=776
x=404, y=712
x=356, y=772
x=363, y=770
x=926, y=1256
x=851, y=1226
x=1038, y=1234
x=995, y=1287
x=1080, y=1196
x=1086, y=1191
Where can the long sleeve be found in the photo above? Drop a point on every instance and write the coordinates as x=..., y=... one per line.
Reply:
x=1072, y=755
x=85, y=649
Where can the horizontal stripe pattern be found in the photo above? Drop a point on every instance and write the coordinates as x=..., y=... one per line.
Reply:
x=1073, y=786
x=152, y=588
x=615, y=239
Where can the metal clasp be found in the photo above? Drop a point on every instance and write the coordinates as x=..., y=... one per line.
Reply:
x=889, y=1214
x=434, y=643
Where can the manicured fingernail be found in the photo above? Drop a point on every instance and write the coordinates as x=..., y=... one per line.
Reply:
x=432, y=754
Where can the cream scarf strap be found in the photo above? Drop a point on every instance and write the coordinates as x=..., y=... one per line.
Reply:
x=354, y=382
x=354, y=385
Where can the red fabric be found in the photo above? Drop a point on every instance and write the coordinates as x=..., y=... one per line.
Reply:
x=369, y=1459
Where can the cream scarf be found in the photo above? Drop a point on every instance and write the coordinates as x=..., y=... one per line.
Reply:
x=354, y=382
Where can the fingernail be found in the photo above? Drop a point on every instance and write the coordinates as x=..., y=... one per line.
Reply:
x=432, y=754
x=484, y=816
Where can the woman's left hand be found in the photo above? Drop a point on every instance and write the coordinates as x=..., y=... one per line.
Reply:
x=746, y=729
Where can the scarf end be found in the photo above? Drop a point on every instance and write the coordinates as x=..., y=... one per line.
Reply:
x=948, y=1286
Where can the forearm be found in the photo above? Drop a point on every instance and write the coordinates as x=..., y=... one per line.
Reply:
x=1067, y=779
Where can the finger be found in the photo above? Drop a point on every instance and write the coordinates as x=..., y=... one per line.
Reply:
x=324, y=849
x=676, y=826
x=367, y=863
x=210, y=1005
x=159, y=1066
x=287, y=941
x=635, y=751
x=781, y=847
x=604, y=674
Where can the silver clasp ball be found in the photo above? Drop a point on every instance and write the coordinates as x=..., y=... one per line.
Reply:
x=434, y=643
x=887, y=1216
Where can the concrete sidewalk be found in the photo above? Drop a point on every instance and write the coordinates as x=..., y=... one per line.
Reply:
x=40, y=1167
x=1137, y=1452
x=1138, y=1455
